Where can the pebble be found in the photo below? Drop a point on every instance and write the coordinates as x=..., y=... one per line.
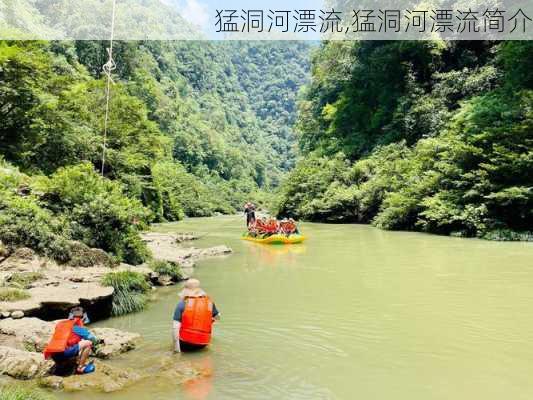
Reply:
x=17, y=314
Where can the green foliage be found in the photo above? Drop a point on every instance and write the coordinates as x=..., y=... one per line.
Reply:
x=11, y=294
x=369, y=93
x=130, y=291
x=195, y=128
x=22, y=392
x=167, y=268
x=461, y=163
x=507, y=235
x=83, y=256
x=181, y=192
x=100, y=214
x=24, y=223
x=25, y=279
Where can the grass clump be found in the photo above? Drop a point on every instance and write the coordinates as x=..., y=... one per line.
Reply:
x=11, y=294
x=19, y=392
x=167, y=268
x=130, y=291
x=508, y=235
x=25, y=279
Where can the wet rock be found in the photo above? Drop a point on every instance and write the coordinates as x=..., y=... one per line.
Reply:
x=115, y=342
x=184, y=237
x=164, y=247
x=106, y=379
x=215, y=251
x=173, y=369
x=165, y=280
x=22, y=364
x=17, y=314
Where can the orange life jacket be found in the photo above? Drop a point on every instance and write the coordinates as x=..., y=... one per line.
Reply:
x=63, y=337
x=197, y=321
x=288, y=227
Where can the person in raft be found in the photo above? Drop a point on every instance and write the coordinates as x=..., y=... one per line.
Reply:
x=193, y=318
x=71, y=344
x=249, y=211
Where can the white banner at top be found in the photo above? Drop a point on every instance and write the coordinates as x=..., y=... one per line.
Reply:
x=272, y=20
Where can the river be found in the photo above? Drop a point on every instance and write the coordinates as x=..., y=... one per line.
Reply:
x=355, y=312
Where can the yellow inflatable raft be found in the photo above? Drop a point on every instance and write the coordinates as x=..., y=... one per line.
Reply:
x=276, y=239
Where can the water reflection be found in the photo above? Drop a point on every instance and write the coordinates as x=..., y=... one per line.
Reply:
x=354, y=313
x=200, y=388
x=268, y=254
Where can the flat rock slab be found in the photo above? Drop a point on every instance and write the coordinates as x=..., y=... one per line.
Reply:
x=22, y=364
x=169, y=237
x=34, y=334
x=66, y=294
x=164, y=246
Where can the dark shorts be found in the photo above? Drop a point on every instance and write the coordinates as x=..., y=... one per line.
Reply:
x=69, y=353
x=190, y=347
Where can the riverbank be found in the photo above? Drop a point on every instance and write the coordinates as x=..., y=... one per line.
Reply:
x=36, y=290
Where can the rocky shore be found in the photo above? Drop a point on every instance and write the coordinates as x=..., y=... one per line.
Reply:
x=50, y=290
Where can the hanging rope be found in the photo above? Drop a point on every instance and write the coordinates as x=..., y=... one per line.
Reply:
x=108, y=69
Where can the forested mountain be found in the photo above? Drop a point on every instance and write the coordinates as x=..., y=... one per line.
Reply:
x=194, y=129
x=432, y=136
x=272, y=74
x=91, y=20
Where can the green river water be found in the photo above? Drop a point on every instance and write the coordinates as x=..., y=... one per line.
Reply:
x=355, y=312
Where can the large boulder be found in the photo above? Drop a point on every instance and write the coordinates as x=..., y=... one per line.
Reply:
x=115, y=342
x=26, y=333
x=22, y=364
x=33, y=334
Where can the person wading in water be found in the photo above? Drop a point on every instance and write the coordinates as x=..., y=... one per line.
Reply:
x=249, y=211
x=193, y=318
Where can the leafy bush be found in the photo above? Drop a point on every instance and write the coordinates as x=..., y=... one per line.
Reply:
x=25, y=279
x=181, y=192
x=99, y=213
x=83, y=256
x=74, y=203
x=24, y=223
x=130, y=291
x=19, y=392
x=167, y=268
x=11, y=294
x=426, y=136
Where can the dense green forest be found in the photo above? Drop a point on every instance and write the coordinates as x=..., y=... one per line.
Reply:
x=195, y=128
x=431, y=136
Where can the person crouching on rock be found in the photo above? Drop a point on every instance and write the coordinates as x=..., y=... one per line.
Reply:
x=193, y=318
x=71, y=344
